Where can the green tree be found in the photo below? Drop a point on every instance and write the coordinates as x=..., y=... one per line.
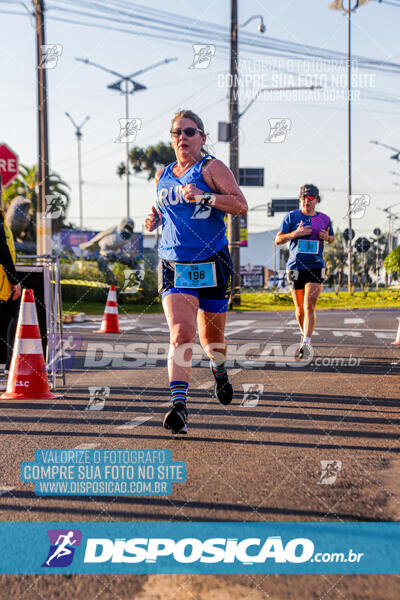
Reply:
x=392, y=262
x=149, y=159
x=335, y=256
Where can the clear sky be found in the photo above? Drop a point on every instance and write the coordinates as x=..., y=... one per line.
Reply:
x=315, y=149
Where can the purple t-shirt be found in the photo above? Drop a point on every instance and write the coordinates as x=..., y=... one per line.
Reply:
x=306, y=256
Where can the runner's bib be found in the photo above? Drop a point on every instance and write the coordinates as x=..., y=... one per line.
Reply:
x=308, y=246
x=195, y=275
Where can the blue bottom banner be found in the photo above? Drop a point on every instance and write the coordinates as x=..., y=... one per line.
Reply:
x=202, y=548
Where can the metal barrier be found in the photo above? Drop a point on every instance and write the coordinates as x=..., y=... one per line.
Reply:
x=42, y=274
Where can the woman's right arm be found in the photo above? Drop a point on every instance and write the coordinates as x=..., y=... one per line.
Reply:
x=282, y=238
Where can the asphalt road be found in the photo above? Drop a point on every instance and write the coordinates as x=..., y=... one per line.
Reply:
x=258, y=459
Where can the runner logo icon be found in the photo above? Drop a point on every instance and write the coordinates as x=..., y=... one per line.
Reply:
x=63, y=543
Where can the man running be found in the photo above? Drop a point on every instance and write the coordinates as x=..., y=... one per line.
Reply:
x=195, y=269
x=306, y=230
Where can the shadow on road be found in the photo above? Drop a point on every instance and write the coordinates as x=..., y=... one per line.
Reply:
x=131, y=506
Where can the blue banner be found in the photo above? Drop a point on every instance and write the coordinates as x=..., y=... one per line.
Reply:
x=203, y=548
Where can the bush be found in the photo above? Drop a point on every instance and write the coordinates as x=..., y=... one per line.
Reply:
x=84, y=270
x=86, y=283
x=74, y=292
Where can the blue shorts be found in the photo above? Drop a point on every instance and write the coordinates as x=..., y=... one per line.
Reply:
x=211, y=299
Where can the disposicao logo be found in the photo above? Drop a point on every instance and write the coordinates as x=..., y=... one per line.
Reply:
x=190, y=550
x=63, y=543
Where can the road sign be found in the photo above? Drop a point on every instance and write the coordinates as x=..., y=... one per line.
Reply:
x=243, y=230
x=251, y=177
x=8, y=165
x=252, y=275
x=284, y=204
x=347, y=236
x=224, y=132
x=362, y=244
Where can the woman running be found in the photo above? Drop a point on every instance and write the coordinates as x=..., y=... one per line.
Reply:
x=195, y=269
x=306, y=230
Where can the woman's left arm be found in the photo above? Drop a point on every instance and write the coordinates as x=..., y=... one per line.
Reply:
x=228, y=198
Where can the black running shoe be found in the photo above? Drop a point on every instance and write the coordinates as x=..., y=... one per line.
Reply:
x=223, y=389
x=176, y=419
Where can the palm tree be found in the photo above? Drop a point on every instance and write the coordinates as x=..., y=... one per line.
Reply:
x=149, y=159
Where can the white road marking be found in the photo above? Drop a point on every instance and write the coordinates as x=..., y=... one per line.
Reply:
x=236, y=331
x=6, y=489
x=86, y=446
x=268, y=330
x=388, y=335
x=242, y=322
x=153, y=329
x=347, y=333
x=210, y=384
x=354, y=320
x=134, y=422
x=94, y=323
x=139, y=420
x=205, y=386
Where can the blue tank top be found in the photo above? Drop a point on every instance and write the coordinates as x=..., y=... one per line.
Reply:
x=190, y=231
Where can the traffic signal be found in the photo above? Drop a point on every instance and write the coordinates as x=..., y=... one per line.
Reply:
x=270, y=212
x=346, y=235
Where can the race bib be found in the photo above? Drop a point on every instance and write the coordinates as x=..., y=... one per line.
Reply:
x=308, y=246
x=195, y=275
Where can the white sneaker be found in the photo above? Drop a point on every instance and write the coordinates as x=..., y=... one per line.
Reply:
x=305, y=352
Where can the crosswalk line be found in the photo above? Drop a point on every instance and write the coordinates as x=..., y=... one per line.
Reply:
x=243, y=322
x=356, y=334
x=353, y=320
x=385, y=335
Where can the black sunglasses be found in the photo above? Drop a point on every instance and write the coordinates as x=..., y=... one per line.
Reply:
x=189, y=131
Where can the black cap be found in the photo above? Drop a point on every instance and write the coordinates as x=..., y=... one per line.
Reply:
x=309, y=190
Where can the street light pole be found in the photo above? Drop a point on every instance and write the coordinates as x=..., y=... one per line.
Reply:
x=338, y=5
x=126, y=85
x=234, y=220
x=78, y=133
x=127, y=171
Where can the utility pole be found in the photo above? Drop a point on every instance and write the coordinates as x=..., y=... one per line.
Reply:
x=43, y=223
x=234, y=220
x=78, y=133
x=349, y=182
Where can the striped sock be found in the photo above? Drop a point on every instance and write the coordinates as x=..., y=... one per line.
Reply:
x=178, y=391
x=219, y=370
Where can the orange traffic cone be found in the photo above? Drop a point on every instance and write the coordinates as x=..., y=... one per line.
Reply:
x=28, y=377
x=110, y=323
x=397, y=340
